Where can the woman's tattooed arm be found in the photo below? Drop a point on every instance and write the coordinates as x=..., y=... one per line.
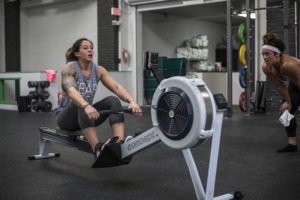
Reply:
x=68, y=77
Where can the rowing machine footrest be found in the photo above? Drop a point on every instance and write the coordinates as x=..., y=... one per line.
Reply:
x=111, y=156
x=37, y=157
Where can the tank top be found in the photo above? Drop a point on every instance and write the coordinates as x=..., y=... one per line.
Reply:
x=87, y=86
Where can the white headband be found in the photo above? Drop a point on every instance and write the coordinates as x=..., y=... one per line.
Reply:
x=272, y=48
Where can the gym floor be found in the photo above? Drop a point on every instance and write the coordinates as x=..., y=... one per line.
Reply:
x=248, y=162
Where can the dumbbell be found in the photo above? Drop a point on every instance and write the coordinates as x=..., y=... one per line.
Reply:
x=34, y=94
x=45, y=106
x=44, y=84
x=32, y=84
x=45, y=95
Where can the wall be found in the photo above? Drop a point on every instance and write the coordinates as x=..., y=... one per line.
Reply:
x=108, y=35
x=261, y=29
x=47, y=31
x=163, y=33
x=2, y=44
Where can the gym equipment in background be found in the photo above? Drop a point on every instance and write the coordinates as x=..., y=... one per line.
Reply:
x=184, y=114
x=243, y=77
x=242, y=52
x=242, y=101
x=241, y=33
x=260, y=96
x=243, y=71
x=39, y=96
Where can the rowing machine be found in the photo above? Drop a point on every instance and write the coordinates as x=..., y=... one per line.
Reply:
x=73, y=139
x=184, y=114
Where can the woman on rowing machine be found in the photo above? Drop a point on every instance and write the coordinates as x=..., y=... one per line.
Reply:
x=281, y=68
x=76, y=110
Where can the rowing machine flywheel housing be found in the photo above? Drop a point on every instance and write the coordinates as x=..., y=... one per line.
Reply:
x=183, y=112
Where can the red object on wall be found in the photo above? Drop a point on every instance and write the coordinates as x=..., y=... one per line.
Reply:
x=125, y=56
x=116, y=11
x=51, y=75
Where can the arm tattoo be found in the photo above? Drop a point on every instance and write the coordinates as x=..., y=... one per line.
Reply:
x=68, y=77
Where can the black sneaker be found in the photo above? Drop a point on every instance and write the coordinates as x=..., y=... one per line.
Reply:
x=126, y=139
x=288, y=148
x=97, y=150
x=100, y=146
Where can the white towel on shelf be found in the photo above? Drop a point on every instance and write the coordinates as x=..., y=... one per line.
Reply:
x=285, y=118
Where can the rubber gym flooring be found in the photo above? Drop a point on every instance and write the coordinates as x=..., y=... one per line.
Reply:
x=248, y=162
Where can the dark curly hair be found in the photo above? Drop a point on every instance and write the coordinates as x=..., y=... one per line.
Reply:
x=273, y=40
x=75, y=48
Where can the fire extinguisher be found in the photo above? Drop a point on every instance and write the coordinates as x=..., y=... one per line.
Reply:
x=125, y=56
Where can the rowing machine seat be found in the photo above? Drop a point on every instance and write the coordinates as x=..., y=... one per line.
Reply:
x=73, y=133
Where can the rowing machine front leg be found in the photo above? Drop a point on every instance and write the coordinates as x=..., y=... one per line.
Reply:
x=43, y=151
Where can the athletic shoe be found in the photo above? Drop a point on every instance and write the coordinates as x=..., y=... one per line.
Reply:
x=288, y=148
x=126, y=139
x=100, y=146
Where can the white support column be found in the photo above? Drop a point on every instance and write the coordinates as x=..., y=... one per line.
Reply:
x=260, y=30
x=139, y=58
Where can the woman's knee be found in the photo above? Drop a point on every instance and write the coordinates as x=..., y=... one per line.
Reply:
x=114, y=101
x=116, y=118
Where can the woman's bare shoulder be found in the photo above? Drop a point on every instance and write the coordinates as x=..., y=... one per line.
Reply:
x=266, y=69
x=68, y=68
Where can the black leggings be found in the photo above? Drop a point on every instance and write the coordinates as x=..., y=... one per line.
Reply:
x=73, y=117
x=294, y=93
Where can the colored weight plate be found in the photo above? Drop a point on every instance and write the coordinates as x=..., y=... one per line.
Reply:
x=242, y=55
x=242, y=101
x=241, y=33
x=243, y=78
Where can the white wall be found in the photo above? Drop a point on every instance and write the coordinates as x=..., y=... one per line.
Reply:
x=2, y=44
x=217, y=83
x=164, y=33
x=47, y=32
x=48, y=29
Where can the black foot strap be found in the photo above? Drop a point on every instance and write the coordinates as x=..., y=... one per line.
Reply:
x=111, y=156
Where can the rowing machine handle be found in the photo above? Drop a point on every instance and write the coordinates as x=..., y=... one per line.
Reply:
x=115, y=111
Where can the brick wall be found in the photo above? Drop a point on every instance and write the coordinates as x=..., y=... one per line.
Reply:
x=108, y=39
x=12, y=36
x=275, y=24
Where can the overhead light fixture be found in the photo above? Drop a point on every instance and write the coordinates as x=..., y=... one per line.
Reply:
x=244, y=14
x=142, y=2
